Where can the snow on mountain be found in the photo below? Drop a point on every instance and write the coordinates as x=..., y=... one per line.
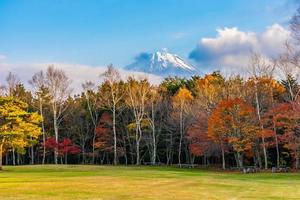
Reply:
x=162, y=63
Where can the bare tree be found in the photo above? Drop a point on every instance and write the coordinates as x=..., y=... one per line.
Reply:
x=112, y=78
x=295, y=25
x=12, y=81
x=58, y=85
x=288, y=63
x=2, y=90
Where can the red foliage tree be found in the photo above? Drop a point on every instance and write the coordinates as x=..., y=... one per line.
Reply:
x=50, y=144
x=287, y=118
x=199, y=142
x=65, y=147
x=104, y=134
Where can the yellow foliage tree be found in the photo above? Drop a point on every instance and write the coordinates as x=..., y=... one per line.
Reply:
x=18, y=128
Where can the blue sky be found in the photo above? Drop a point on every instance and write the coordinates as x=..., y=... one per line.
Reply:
x=99, y=32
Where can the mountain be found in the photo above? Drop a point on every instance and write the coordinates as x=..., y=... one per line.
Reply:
x=162, y=63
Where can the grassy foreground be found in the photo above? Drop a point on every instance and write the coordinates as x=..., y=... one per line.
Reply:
x=107, y=182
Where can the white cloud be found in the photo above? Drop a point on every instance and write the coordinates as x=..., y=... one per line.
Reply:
x=2, y=57
x=231, y=48
x=77, y=73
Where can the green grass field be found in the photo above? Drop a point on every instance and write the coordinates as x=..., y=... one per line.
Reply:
x=107, y=182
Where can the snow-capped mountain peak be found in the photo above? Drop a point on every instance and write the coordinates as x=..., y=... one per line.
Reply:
x=162, y=63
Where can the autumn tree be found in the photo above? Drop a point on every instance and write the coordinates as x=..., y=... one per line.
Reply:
x=271, y=91
x=260, y=68
x=286, y=118
x=137, y=95
x=18, y=128
x=209, y=91
x=58, y=85
x=64, y=147
x=67, y=147
x=181, y=103
x=233, y=121
x=14, y=88
x=116, y=92
x=217, y=131
x=199, y=142
x=104, y=135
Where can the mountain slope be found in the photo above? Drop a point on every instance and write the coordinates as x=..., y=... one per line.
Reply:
x=162, y=63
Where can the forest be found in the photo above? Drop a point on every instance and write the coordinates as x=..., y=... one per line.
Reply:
x=211, y=120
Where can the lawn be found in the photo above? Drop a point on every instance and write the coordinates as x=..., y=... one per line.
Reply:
x=107, y=182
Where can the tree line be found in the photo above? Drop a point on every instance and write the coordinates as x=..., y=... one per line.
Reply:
x=208, y=120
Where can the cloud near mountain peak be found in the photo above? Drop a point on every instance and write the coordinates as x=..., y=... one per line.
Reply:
x=232, y=47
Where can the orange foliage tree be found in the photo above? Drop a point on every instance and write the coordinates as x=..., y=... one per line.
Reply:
x=233, y=122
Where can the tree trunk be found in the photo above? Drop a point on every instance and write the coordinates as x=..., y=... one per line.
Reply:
x=56, y=135
x=115, y=135
x=170, y=152
x=180, y=139
x=32, y=154
x=223, y=159
x=66, y=158
x=277, y=151
x=261, y=126
x=1, y=152
x=125, y=149
x=265, y=152
x=239, y=159
x=258, y=156
x=153, y=160
x=297, y=159
x=13, y=156
x=6, y=158
x=137, y=144
x=193, y=159
x=131, y=148
x=83, y=154
x=94, y=120
x=154, y=145
x=94, y=139
x=18, y=159
x=236, y=160
x=44, y=133
x=275, y=131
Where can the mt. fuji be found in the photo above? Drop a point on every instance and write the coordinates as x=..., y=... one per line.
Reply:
x=162, y=63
